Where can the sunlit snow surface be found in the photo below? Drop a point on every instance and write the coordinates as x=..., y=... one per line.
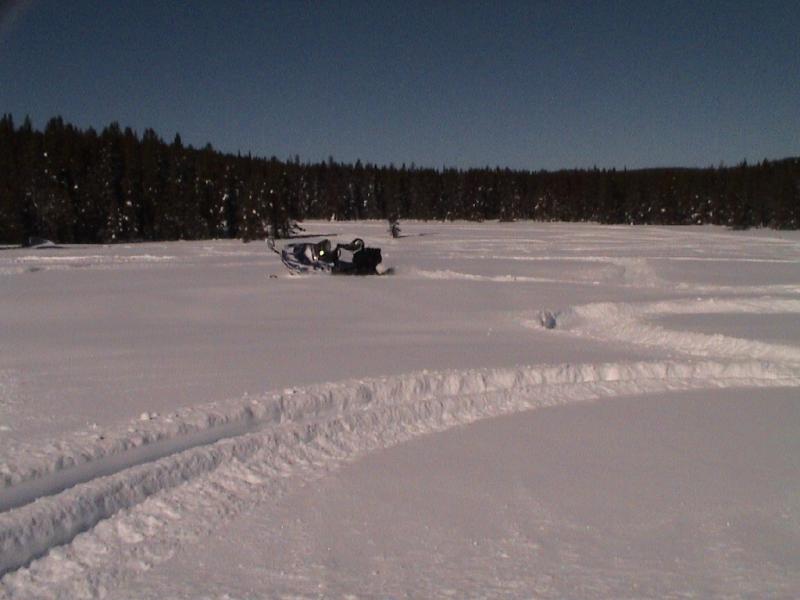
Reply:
x=614, y=414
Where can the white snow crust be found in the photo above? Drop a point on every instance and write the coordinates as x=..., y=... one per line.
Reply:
x=162, y=405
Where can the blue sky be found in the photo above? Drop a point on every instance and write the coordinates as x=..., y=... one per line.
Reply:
x=532, y=85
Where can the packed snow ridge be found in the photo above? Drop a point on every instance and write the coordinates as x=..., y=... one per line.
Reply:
x=630, y=323
x=275, y=435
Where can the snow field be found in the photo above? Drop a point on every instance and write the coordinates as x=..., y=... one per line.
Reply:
x=89, y=510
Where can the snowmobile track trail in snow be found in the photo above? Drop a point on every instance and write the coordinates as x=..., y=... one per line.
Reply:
x=335, y=424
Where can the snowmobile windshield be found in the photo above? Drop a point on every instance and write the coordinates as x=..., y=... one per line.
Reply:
x=304, y=254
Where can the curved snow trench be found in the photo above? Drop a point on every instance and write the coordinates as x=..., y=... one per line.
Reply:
x=89, y=511
x=630, y=323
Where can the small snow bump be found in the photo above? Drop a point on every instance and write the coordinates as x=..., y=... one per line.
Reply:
x=548, y=319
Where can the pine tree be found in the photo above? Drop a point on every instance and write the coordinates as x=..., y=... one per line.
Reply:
x=111, y=173
x=31, y=175
x=155, y=168
x=10, y=193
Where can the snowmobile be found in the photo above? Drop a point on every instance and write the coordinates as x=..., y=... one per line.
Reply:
x=343, y=259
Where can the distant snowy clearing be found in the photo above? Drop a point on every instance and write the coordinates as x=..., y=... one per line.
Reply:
x=163, y=406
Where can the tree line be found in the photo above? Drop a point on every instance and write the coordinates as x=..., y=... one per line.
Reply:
x=79, y=186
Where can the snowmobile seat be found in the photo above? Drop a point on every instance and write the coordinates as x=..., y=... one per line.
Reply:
x=362, y=262
x=366, y=261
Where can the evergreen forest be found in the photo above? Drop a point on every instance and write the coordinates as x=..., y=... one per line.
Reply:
x=72, y=185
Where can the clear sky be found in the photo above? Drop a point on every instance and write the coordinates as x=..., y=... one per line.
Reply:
x=533, y=85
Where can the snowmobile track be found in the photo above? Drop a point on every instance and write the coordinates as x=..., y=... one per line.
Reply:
x=350, y=418
x=111, y=505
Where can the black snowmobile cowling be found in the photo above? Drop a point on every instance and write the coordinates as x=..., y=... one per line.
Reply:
x=344, y=259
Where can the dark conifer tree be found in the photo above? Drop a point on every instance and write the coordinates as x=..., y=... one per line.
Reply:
x=111, y=173
x=11, y=231
x=31, y=179
x=155, y=172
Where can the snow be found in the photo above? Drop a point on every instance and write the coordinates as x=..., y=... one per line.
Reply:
x=521, y=410
x=588, y=501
